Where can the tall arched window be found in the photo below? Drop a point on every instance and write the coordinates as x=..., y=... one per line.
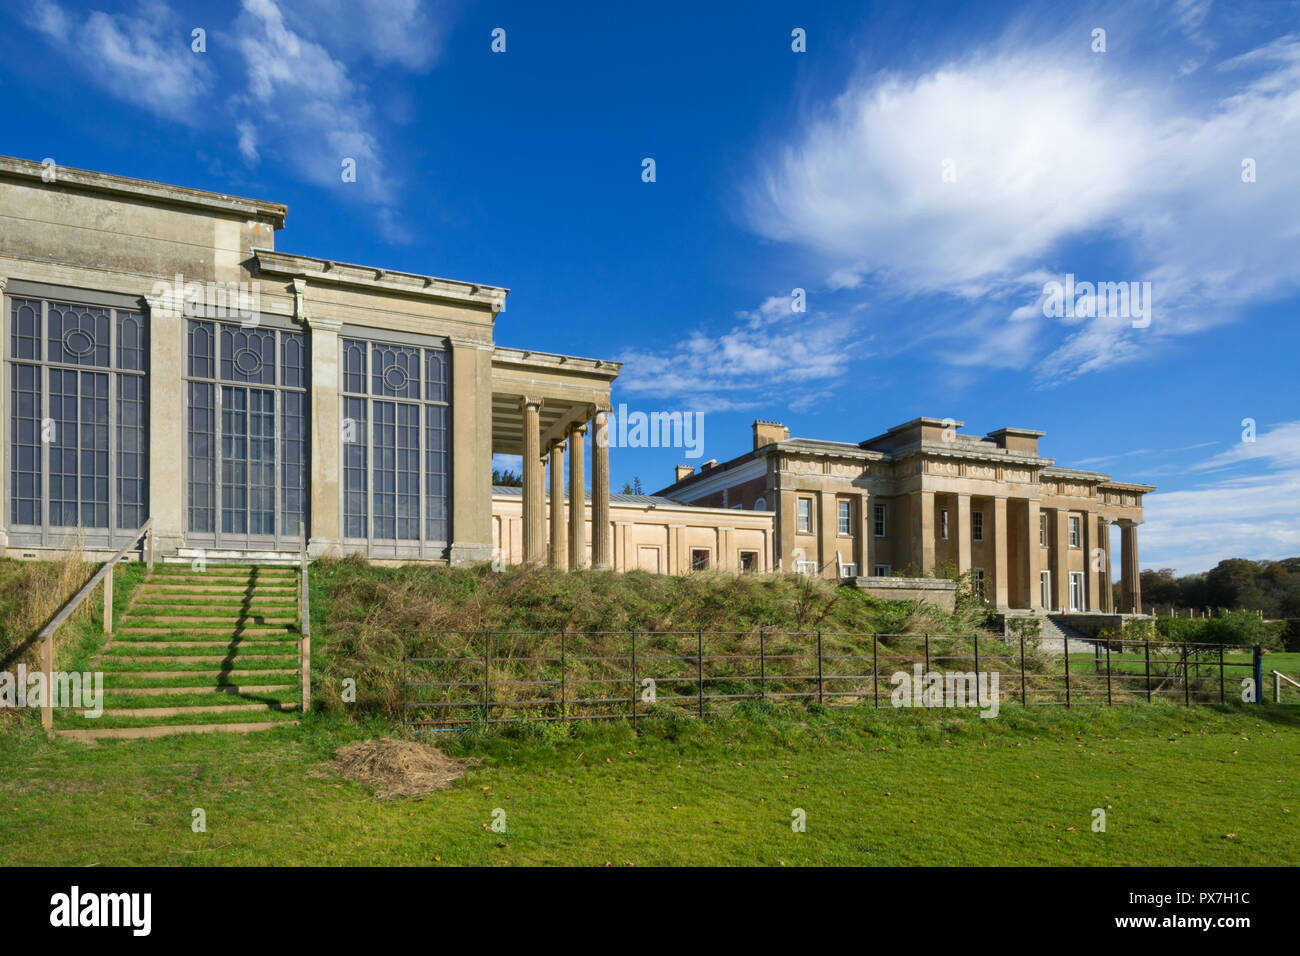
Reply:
x=396, y=449
x=246, y=427
x=77, y=377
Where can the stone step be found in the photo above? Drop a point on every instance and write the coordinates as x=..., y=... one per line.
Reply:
x=152, y=586
x=284, y=646
x=191, y=675
x=212, y=620
x=209, y=631
x=166, y=730
x=193, y=659
x=158, y=712
x=209, y=689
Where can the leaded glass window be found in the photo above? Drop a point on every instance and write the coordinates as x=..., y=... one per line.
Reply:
x=78, y=392
x=396, y=452
x=246, y=427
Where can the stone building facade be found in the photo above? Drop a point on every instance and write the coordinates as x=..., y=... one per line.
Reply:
x=161, y=361
x=923, y=496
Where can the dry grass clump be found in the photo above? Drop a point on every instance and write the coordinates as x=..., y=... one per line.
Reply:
x=399, y=768
x=31, y=593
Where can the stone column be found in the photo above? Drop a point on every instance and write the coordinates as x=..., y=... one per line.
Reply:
x=167, y=486
x=1033, y=557
x=924, y=554
x=600, y=544
x=962, y=531
x=828, y=530
x=534, y=519
x=559, y=546
x=577, y=499
x=1093, y=562
x=865, y=551
x=1108, y=587
x=786, y=522
x=1000, y=532
x=1058, y=536
x=1130, y=569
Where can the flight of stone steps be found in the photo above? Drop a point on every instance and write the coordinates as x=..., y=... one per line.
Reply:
x=1055, y=629
x=199, y=651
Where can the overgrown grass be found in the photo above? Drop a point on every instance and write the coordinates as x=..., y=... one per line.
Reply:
x=362, y=615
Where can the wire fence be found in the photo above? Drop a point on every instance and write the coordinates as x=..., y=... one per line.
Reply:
x=455, y=678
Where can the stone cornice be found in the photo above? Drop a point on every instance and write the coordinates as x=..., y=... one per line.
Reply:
x=374, y=279
x=142, y=189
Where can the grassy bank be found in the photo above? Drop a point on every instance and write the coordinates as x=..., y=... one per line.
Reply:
x=1194, y=787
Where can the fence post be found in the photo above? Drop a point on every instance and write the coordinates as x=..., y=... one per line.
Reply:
x=1024, y=693
x=1221, y=696
x=47, y=696
x=564, y=713
x=926, y=675
x=406, y=652
x=1187, y=676
x=108, y=599
x=1067, y=670
x=1108, y=697
x=1147, y=649
x=762, y=664
x=819, y=666
x=875, y=672
x=699, y=666
x=978, y=703
x=634, y=684
x=1259, y=674
x=486, y=636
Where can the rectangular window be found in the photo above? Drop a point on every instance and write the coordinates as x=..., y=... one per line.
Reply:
x=804, y=516
x=881, y=570
x=845, y=517
x=878, y=515
x=699, y=559
x=1042, y=530
x=977, y=579
x=943, y=525
x=748, y=562
x=977, y=526
x=1045, y=588
x=1074, y=531
x=848, y=570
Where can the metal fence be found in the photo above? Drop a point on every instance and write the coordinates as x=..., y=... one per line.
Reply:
x=454, y=678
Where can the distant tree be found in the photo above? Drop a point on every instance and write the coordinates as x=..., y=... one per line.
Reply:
x=1272, y=587
x=507, y=478
x=634, y=488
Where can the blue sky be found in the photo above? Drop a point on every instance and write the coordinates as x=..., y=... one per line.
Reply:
x=776, y=170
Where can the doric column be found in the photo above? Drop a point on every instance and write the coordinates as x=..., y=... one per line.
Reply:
x=1058, y=536
x=559, y=545
x=534, y=519
x=471, y=456
x=827, y=534
x=924, y=554
x=1131, y=580
x=1093, y=561
x=865, y=552
x=962, y=531
x=167, y=486
x=1107, y=587
x=600, y=544
x=1000, y=571
x=577, y=499
x=1033, y=556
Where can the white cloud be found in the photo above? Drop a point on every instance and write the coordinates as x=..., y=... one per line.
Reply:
x=768, y=355
x=143, y=58
x=1052, y=147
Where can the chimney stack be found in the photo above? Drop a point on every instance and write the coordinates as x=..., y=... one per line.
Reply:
x=684, y=471
x=769, y=433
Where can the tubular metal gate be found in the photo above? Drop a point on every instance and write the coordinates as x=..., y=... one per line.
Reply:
x=453, y=678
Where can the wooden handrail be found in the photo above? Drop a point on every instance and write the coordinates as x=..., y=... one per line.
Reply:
x=105, y=574
x=1278, y=677
x=304, y=627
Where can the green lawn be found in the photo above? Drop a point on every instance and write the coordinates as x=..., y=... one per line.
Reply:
x=1180, y=786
